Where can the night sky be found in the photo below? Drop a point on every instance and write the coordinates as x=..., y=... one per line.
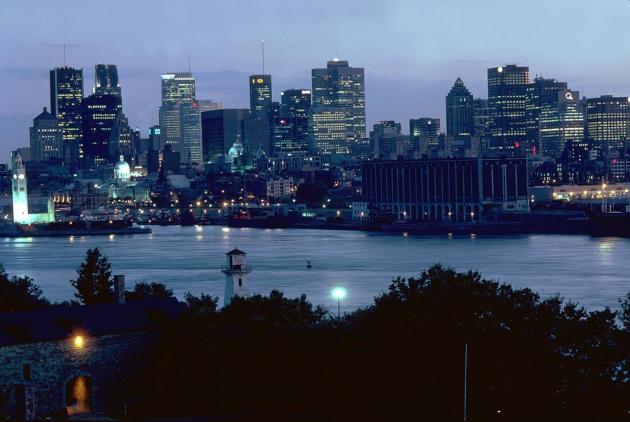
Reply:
x=412, y=50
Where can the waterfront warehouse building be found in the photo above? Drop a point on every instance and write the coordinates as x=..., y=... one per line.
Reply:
x=443, y=190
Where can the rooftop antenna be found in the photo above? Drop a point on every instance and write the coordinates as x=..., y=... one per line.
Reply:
x=189, y=63
x=64, y=47
x=262, y=44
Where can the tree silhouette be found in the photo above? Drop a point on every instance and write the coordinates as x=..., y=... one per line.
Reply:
x=93, y=283
x=19, y=293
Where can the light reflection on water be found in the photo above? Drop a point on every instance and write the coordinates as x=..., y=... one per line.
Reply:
x=592, y=271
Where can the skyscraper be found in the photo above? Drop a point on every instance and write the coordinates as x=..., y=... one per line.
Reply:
x=559, y=121
x=219, y=130
x=330, y=129
x=291, y=126
x=66, y=96
x=259, y=96
x=99, y=118
x=459, y=111
x=608, y=121
x=540, y=93
x=46, y=137
x=507, y=99
x=342, y=86
x=481, y=117
x=426, y=129
x=180, y=123
x=106, y=80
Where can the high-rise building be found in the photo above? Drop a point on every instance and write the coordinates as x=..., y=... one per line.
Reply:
x=481, y=117
x=608, y=121
x=329, y=130
x=560, y=121
x=208, y=105
x=540, y=93
x=99, y=118
x=219, y=130
x=507, y=99
x=387, y=140
x=179, y=114
x=66, y=96
x=121, y=141
x=106, y=80
x=426, y=129
x=46, y=137
x=290, y=130
x=259, y=96
x=342, y=86
x=190, y=133
x=178, y=88
x=460, y=121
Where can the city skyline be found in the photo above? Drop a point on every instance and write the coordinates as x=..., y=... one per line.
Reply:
x=399, y=84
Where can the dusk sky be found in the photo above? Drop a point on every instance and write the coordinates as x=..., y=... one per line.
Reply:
x=412, y=51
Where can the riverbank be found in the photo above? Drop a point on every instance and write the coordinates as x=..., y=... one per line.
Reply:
x=14, y=231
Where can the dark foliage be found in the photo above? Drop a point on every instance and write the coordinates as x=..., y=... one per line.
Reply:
x=94, y=279
x=274, y=358
x=19, y=293
x=144, y=290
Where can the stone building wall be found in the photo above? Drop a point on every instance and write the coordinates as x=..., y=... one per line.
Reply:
x=107, y=361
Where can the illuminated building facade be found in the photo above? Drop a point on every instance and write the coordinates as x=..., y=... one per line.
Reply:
x=559, y=121
x=46, y=138
x=459, y=111
x=106, y=80
x=447, y=190
x=180, y=123
x=507, y=99
x=540, y=93
x=339, y=85
x=259, y=96
x=608, y=121
x=66, y=96
x=329, y=129
x=100, y=113
x=290, y=131
x=427, y=129
x=219, y=130
x=21, y=211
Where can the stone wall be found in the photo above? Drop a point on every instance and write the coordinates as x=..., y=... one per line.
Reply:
x=107, y=361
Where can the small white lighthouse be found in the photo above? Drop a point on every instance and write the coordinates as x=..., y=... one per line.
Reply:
x=236, y=273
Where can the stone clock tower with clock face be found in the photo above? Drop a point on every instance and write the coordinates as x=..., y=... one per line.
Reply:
x=236, y=272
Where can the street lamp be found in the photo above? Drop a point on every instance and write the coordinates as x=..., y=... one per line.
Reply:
x=339, y=293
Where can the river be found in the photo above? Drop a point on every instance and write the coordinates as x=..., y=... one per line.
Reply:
x=591, y=271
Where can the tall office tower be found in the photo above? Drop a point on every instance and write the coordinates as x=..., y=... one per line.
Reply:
x=339, y=85
x=507, y=98
x=259, y=96
x=190, y=133
x=290, y=130
x=329, y=130
x=540, y=93
x=178, y=96
x=46, y=137
x=178, y=88
x=460, y=122
x=121, y=141
x=608, y=122
x=99, y=118
x=66, y=96
x=219, y=130
x=387, y=140
x=155, y=139
x=106, y=80
x=426, y=129
x=560, y=121
x=481, y=117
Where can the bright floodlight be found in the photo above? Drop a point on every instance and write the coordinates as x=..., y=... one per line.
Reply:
x=339, y=293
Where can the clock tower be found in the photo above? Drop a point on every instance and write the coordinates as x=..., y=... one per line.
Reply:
x=20, y=193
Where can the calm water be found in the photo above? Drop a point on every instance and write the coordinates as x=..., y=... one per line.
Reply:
x=592, y=271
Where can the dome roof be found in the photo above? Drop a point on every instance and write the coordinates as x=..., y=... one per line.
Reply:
x=122, y=170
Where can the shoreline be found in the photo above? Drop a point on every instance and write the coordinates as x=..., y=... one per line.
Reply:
x=12, y=234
